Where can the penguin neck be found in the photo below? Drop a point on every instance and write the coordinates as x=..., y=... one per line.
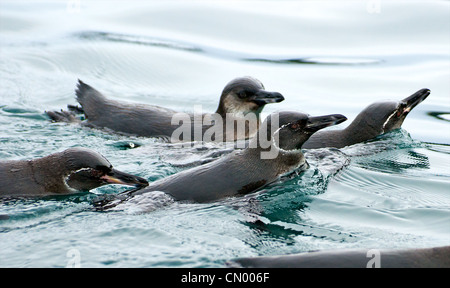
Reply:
x=50, y=173
x=221, y=111
x=238, y=126
x=292, y=160
x=285, y=161
x=237, y=114
x=360, y=130
x=239, y=111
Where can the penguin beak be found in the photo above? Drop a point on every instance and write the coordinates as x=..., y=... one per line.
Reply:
x=118, y=177
x=263, y=97
x=412, y=101
x=319, y=122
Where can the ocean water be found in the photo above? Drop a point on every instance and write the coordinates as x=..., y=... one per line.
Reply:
x=323, y=56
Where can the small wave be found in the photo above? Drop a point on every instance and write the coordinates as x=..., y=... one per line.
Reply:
x=22, y=113
x=394, y=152
x=397, y=139
x=318, y=60
x=220, y=52
x=144, y=203
x=444, y=116
x=397, y=176
x=328, y=160
x=399, y=161
x=139, y=40
x=28, y=213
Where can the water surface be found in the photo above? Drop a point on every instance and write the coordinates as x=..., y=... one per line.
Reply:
x=323, y=56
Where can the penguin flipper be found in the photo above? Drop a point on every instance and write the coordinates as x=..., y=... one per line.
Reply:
x=63, y=116
x=90, y=99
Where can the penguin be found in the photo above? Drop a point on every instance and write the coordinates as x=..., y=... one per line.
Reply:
x=241, y=98
x=376, y=119
x=274, y=152
x=70, y=171
x=436, y=257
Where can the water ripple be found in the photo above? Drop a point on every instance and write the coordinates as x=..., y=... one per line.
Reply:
x=220, y=52
x=444, y=116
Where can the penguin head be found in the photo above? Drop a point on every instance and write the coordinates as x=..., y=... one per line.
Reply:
x=86, y=169
x=402, y=108
x=245, y=95
x=382, y=117
x=295, y=128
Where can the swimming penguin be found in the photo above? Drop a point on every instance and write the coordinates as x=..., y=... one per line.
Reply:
x=240, y=97
x=245, y=171
x=376, y=119
x=437, y=257
x=73, y=170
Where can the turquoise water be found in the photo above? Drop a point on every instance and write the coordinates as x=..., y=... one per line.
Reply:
x=324, y=57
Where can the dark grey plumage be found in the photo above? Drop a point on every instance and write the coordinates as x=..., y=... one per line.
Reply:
x=245, y=171
x=73, y=170
x=374, y=120
x=438, y=257
x=240, y=96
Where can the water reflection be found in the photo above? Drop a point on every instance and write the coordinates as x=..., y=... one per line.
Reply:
x=399, y=162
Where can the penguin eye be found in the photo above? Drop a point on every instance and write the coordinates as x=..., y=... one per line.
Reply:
x=401, y=109
x=294, y=126
x=242, y=94
x=103, y=169
x=96, y=173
